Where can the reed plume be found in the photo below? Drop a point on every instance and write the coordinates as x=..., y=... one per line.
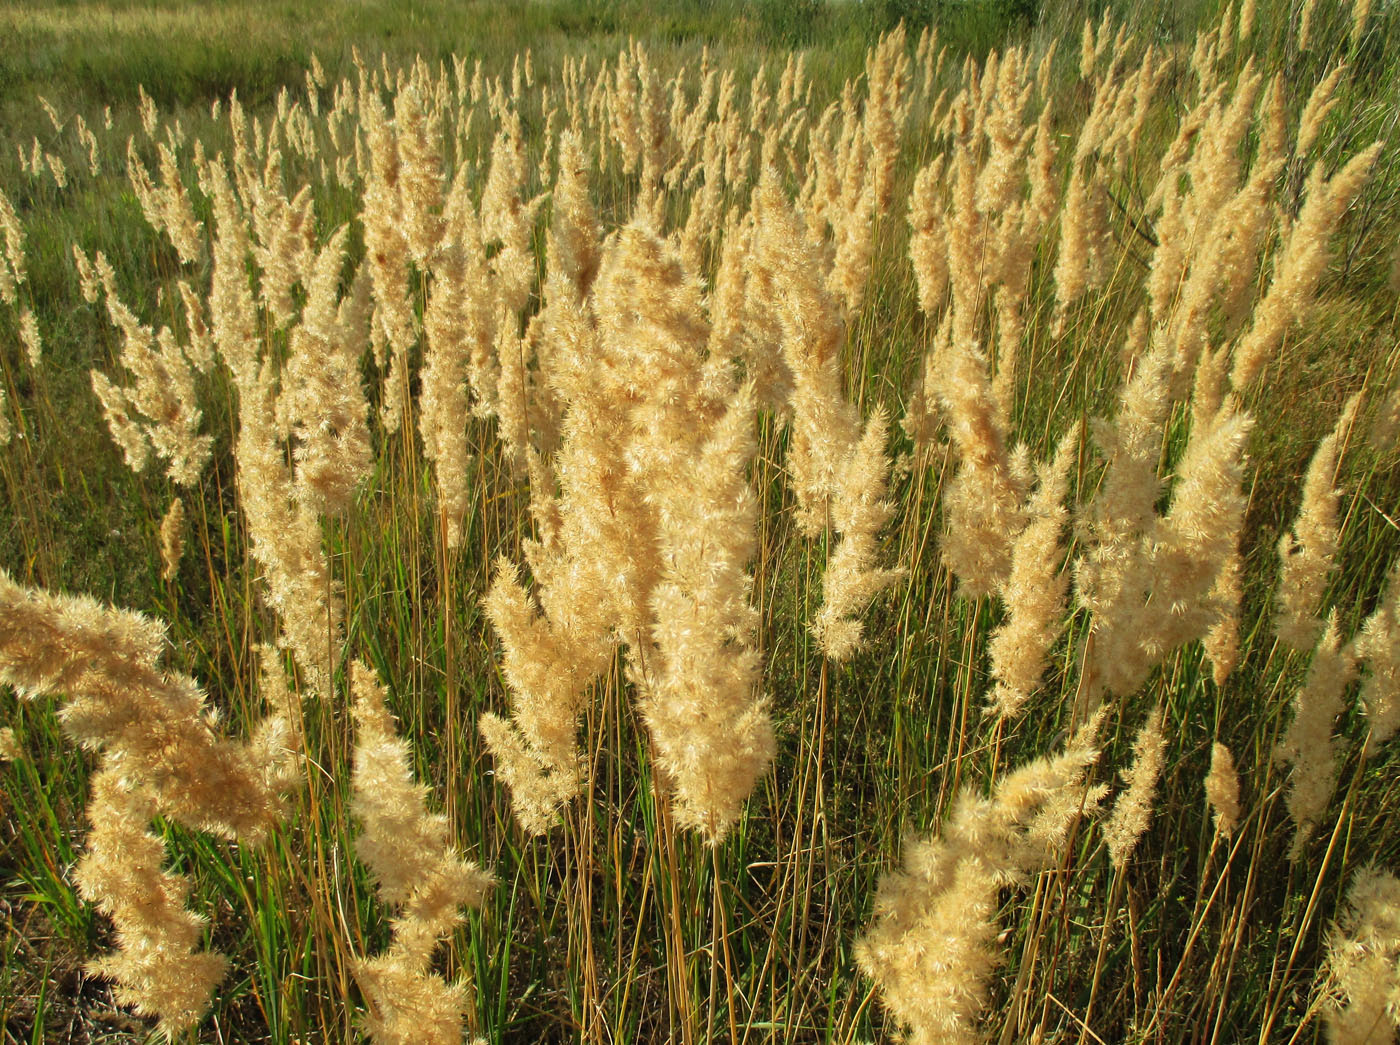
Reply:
x=1363, y=963
x=859, y=512
x=1309, y=745
x=417, y=870
x=1034, y=591
x=1223, y=789
x=172, y=540
x=1132, y=811
x=1302, y=261
x=934, y=945
x=1378, y=649
x=1308, y=554
x=160, y=756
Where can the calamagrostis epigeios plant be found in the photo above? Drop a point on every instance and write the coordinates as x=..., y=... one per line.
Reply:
x=161, y=404
x=825, y=425
x=1034, y=591
x=1223, y=789
x=1309, y=746
x=172, y=540
x=443, y=409
x=655, y=438
x=285, y=536
x=160, y=756
x=934, y=944
x=1378, y=649
x=322, y=401
x=839, y=469
x=13, y=272
x=1133, y=809
x=157, y=967
x=418, y=871
x=1363, y=963
x=1153, y=583
x=1309, y=552
x=859, y=511
x=1301, y=262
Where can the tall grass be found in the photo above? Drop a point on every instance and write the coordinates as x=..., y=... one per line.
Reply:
x=645, y=543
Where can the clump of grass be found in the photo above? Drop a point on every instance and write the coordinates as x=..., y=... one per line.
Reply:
x=693, y=445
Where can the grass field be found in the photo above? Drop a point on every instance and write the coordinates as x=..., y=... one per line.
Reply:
x=869, y=521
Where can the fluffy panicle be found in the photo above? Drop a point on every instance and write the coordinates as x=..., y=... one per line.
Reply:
x=322, y=397
x=442, y=405
x=859, y=512
x=120, y=414
x=157, y=967
x=232, y=310
x=934, y=944
x=1154, y=583
x=701, y=698
x=172, y=540
x=1034, y=591
x=1222, y=642
x=162, y=400
x=928, y=242
x=160, y=756
x=572, y=250
x=29, y=337
x=1309, y=745
x=12, y=267
x=283, y=243
x=286, y=537
x=1301, y=264
x=418, y=126
x=1378, y=648
x=1132, y=812
x=1384, y=434
x=386, y=253
x=508, y=218
x=825, y=426
x=886, y=108
x=983, y=504
x=1196, y=540
x=151, y=723
x=417, y=870
x=548, y=670
x=1223, y=789
x=1308, y=554
x=1320, y=104
x=1363, y=963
